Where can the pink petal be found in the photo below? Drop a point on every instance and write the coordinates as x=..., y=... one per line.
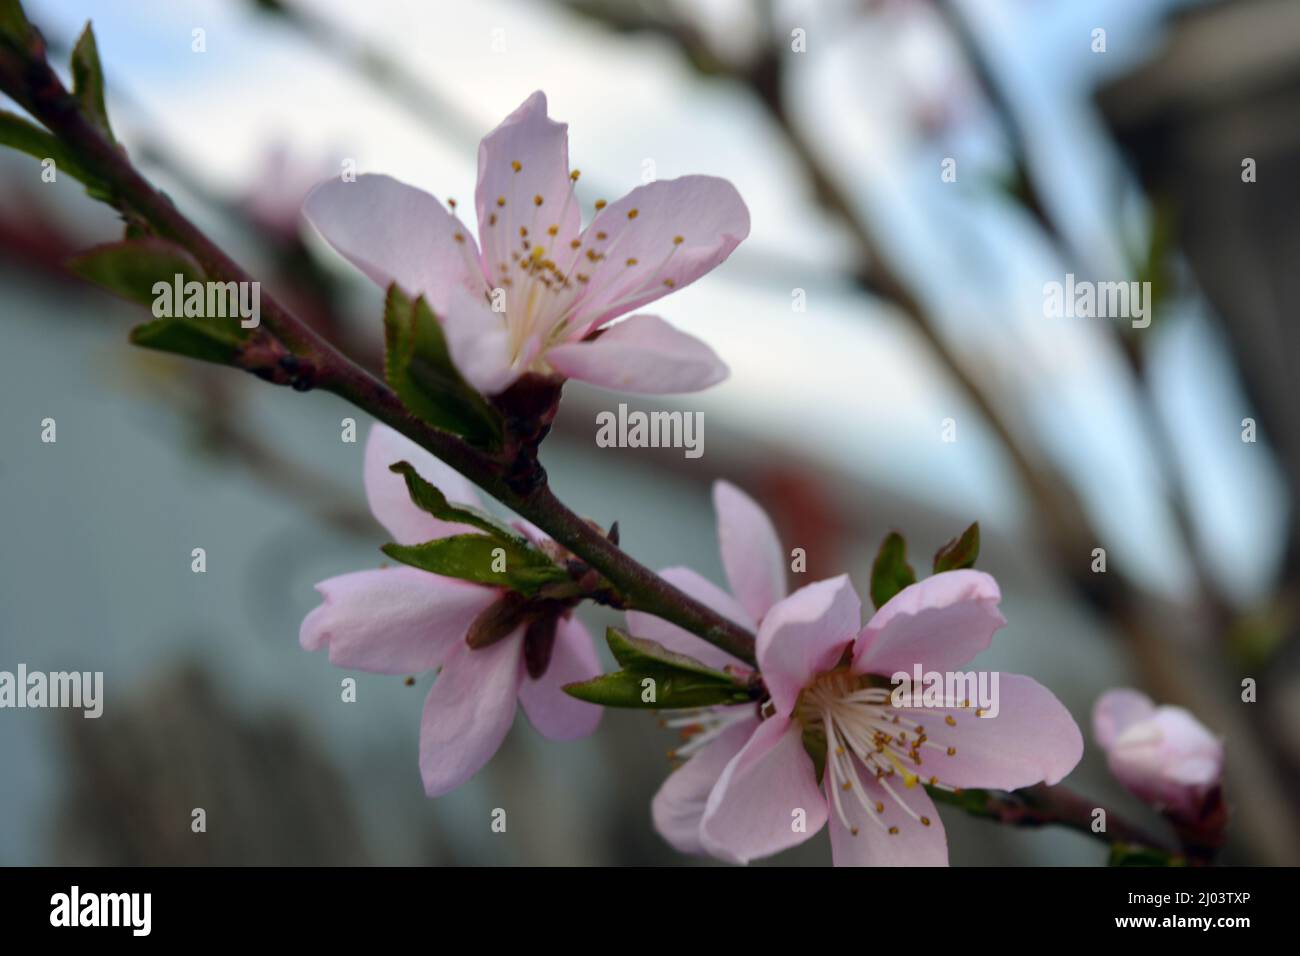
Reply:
x=386, y=492
x=541, y=148
x=804, y=635
x=479, y=342
x=751, y=551
x=751, y=812
x=468, y=712
x=641, y=354
x=684, y=642
x=679, y=805
x=395, y=233
x=1117, y=710
x=553, y=712
x=940, y=623
x=392, y=621
x=915, y=844
x=1169, y=760
x=641, y=229
x=1032, y=739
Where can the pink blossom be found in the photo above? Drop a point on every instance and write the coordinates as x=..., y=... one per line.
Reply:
x=402, y=620
x=750, y=780
x=1162, y=754
x=561, y=284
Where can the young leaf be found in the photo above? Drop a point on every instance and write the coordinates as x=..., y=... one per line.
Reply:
x=193, y=338
x=26, y=137
x=960, y=552
x=475, y=557
x=418, y=366
x=890, y=573
x=655, y=678
x=133, y=267
x=13, y=22
x=429, y=499
x=88, y=81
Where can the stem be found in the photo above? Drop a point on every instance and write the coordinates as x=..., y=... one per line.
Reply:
x=1041, y=805
x=25, y=75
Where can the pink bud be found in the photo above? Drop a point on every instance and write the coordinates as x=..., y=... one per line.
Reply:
x=1162, y=754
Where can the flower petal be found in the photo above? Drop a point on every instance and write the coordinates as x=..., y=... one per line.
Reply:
x=395, y=233
x=679, y=805
x=386, y=492
x=479, y=342
x=804, y=635
x=682, y=641
x=1116, y=711
x=553, y=712
x=1031, y=739
x=940, y=623
x=751, y=812
x=468, y=712
x=751, y=551
x=642, y=354
x=523, y=159
x=659, y=237
x=915, y=843
x=392, y=621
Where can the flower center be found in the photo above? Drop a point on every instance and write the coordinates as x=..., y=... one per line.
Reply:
x=872, y=745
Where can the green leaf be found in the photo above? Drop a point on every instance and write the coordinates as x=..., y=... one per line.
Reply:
x=960, y=552
x=26, y=137
x=192, y=338
x=676, y=680
x=429, y=499
x=890, y=572
x=974, y=802
x=13, y=22
x=1134, y=854
x=132, y=268
x=418, y=366
x=471, y=557
x=88, y=81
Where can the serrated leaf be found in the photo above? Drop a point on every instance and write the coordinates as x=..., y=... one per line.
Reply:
x=471, y=557
x=890, y=572
x=418, y=366
x=678, y=681
x=429, y=499
x=26, y=137
x=88, y=81
x=961, y=552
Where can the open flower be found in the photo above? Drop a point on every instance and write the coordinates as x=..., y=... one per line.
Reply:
x=538, y=291
x=402, y=620
x=752, y=788
x=1162, y=754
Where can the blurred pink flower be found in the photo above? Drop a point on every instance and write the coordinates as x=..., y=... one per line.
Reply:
x=402, y=620
x=740, y=793
x=1162, y=754
x=560, y=283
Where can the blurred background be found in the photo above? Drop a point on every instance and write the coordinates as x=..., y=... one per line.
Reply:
x=922, y=301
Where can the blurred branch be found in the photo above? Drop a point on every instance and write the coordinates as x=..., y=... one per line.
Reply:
x=1063, y=525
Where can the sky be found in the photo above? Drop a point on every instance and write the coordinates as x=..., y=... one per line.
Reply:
x=846, y=383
